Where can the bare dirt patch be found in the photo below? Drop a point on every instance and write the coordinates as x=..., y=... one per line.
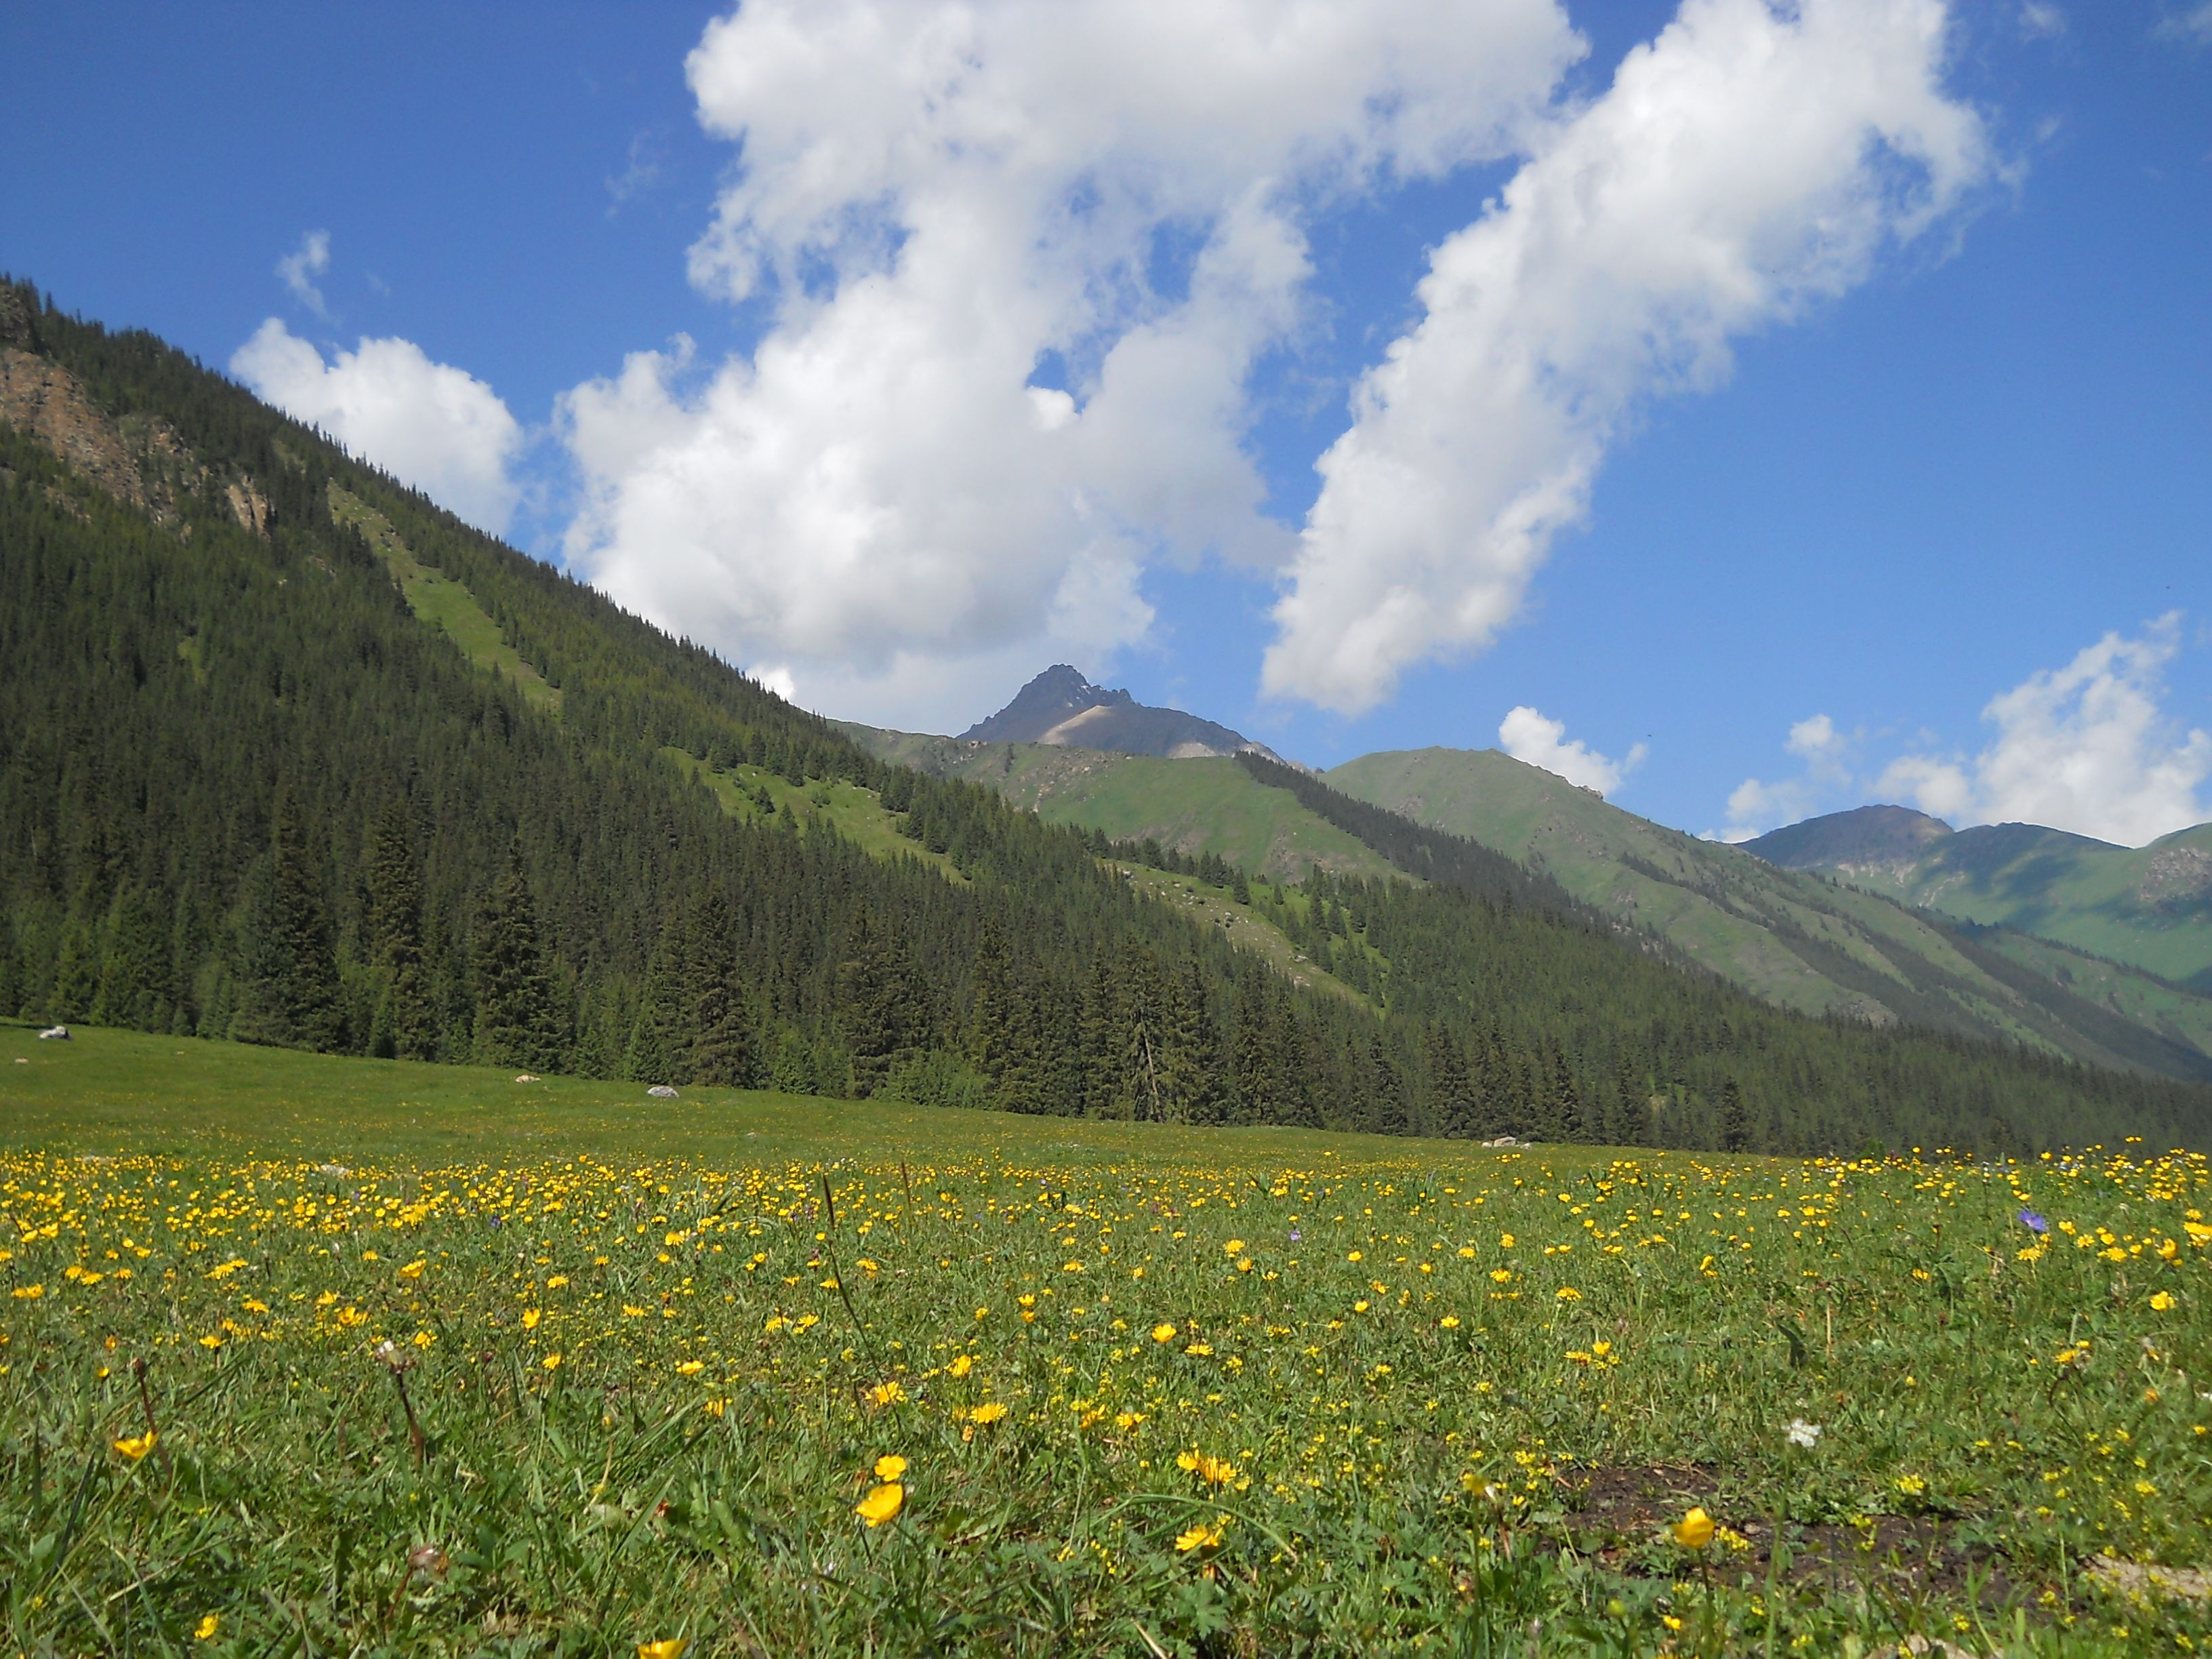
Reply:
x=1621, y=1516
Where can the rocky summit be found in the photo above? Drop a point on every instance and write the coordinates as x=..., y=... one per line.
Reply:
x=1060, y=707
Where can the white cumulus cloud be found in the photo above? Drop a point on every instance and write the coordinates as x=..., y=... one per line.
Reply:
x=1526, y=735
x=2087, y=748
x=1753, y=161
x=299, y=269
x=1019, y=261
x=429, y=424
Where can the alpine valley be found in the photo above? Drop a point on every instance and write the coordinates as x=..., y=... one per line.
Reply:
x=289, y=756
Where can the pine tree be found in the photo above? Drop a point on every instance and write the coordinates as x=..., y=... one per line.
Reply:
x=403, y=1024
x=1143, y=1036
x=1567, y=1110
x=1735, y=1120
x=990, y=1011
x=137, y=986
x=1257, y=1064
x=11, y=971
x=660, y=1047
x=1451, y=1091
x=1386, y=1113
x=515, y=1023
x=883, y=1017
x=724, y=1050
x=1629, y=1123
x=288, y=993
x=1193, y=1067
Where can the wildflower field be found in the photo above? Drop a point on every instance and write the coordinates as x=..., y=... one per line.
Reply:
x=311, y=1355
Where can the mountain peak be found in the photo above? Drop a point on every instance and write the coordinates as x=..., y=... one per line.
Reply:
x=1062, y=707
x=1864, y=838
x=1056, y=695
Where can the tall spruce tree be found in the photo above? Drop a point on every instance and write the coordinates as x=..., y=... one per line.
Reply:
x=659, y=1049
x=516, y=1023
x=1735, y=1119
x=137, y=986
x=1192, y=1068
x=990, y=1004
x=884, y=1021
x=288, y=993
x=1451, y=1089
x=11, y=969
x=404, y=1026
x=724, y=1049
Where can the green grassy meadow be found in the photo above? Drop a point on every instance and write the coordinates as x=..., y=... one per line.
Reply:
x=436, y=1361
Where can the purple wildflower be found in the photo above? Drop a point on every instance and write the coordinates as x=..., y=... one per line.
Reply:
x=2033, y=1222
x=1294, y=1235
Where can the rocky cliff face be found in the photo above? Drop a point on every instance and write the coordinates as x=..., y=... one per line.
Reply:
x=138, y=459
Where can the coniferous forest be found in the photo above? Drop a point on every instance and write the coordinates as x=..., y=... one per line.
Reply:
x=247, y=791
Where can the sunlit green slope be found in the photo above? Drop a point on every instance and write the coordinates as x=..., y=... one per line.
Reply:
x=1799, y=940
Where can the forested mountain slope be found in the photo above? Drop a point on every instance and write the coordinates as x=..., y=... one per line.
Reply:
x=289, y=756
x=1798, y=941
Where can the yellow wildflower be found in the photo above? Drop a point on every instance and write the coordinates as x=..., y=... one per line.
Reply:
x=1694, y=1530
x=138, y=1446
x=881, y=1504
x=1214, y=1471
x=1201, y=1536
x=207, y=1627
x=890, y=1467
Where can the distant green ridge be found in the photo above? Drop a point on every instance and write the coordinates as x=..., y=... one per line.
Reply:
x=1189, y=806
x=1799, y=941
x=2150, y=907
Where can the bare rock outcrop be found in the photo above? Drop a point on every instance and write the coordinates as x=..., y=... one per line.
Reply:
x=140, y=459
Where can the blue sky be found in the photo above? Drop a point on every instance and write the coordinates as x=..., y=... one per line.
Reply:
x=1955, y=455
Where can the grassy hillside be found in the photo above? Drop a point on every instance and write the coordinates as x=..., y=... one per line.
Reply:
x=305, y=1353
x=1190, y=806
x=2150, y=907
x=1798, y=940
